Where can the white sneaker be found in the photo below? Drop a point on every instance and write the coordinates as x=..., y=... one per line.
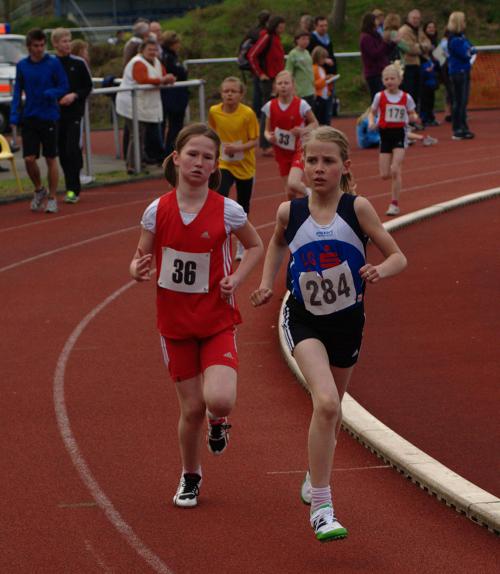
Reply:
x=38, y=199
x=429, y=140
x=392, y=210
x=188, y=490
x=51, y=206
x=305, y=491
x=240, y=250
x=325, y=525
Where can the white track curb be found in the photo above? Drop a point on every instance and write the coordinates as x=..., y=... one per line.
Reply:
x=467, y=498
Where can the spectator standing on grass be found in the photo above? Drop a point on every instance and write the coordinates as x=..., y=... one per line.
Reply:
x=254, y=34
x=42, y=79
x=379, y=21
x=431, y=73
x=143, y=69
x=415, y=43
x=306, y=23
x=299, y=64
x=320, y=37
x=140, y=32
x=174, y=101
x=322, y=83
x=72, y=108
x=267, y=60
x=375, y=52
x=460, y=51
x=80, y=48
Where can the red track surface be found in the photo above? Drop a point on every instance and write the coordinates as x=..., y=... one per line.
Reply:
x=428, y=354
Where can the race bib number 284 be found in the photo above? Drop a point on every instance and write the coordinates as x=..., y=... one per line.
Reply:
x=329, y=293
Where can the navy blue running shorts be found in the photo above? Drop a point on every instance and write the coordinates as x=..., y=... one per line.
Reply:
x=340, y=333
x=391, y=138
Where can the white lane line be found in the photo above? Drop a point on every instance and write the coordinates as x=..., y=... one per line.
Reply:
x=49, y=219
x=76, y=455
x=350, y=469
x=266, y=179
x=475, y=502
x=374, y=164
x=67, y=247
x=404, y=189
x=97, y=557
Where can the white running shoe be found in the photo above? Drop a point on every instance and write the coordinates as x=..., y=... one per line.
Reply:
x=188, y=490
x=325, y=525
x=51, y=206
x=240, y=250
x=38, y=198
x=305, y=491
x=392, y=210
x=429, y=140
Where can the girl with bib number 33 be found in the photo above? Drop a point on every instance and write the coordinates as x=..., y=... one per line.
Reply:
x=286, y=118
x=326, y=234
x=187, y=231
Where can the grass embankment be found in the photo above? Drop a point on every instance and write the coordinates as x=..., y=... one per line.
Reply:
x=216, y=31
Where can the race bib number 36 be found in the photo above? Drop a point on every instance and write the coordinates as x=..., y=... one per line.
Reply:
x=329, y=293
x=284, y=139
x=395, y=113
x=185, y=272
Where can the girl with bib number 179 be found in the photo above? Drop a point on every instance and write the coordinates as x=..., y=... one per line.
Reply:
x=394, y=109
x=286, y=118
x=326, y=234
x=187, y=231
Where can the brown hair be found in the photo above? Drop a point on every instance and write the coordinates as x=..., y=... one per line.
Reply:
x=318, y=54
x=392, y=21
x=194, y=130
x=78, y=46
x=328, y=134
x=234, y=80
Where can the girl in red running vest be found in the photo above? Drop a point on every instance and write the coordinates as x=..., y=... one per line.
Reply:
x=394, y=108
x=286, y=117
x=188, y=233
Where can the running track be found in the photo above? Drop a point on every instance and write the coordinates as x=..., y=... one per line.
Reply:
x=89, y=447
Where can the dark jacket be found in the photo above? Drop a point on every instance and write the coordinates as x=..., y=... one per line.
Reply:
x=175, y=100
x=44, y=84
x=80, y=82
x=315, y=41
x=374, y=53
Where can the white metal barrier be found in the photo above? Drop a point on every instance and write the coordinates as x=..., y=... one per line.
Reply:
x=200, y=84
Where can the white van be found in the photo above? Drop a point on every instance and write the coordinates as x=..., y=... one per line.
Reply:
x=12, y=49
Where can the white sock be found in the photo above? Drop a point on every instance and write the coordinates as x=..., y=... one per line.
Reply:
x=320, y=496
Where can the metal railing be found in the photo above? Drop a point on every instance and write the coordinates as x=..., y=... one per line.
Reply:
x=200, y=84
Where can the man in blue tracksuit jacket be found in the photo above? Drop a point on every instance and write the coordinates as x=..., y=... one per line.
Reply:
x=42, y=79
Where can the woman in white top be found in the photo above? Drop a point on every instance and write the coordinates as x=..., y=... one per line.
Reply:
x=145, y=68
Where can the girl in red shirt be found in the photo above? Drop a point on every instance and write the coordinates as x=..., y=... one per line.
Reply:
x=286, y=118
x=394, y=108
x=188, y=232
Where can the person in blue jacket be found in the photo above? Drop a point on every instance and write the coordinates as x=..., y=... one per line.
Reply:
x=366, y=138
x=459, y=64
x=42, y=79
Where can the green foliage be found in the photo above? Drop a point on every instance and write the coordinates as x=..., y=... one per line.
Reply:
x=23, y=25
x=217, y=30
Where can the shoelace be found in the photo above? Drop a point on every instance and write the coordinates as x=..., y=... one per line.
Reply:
x=326, y=516
x=218, y=431
x=190, y=485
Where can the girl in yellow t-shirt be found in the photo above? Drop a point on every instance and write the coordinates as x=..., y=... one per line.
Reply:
x=238, y=128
